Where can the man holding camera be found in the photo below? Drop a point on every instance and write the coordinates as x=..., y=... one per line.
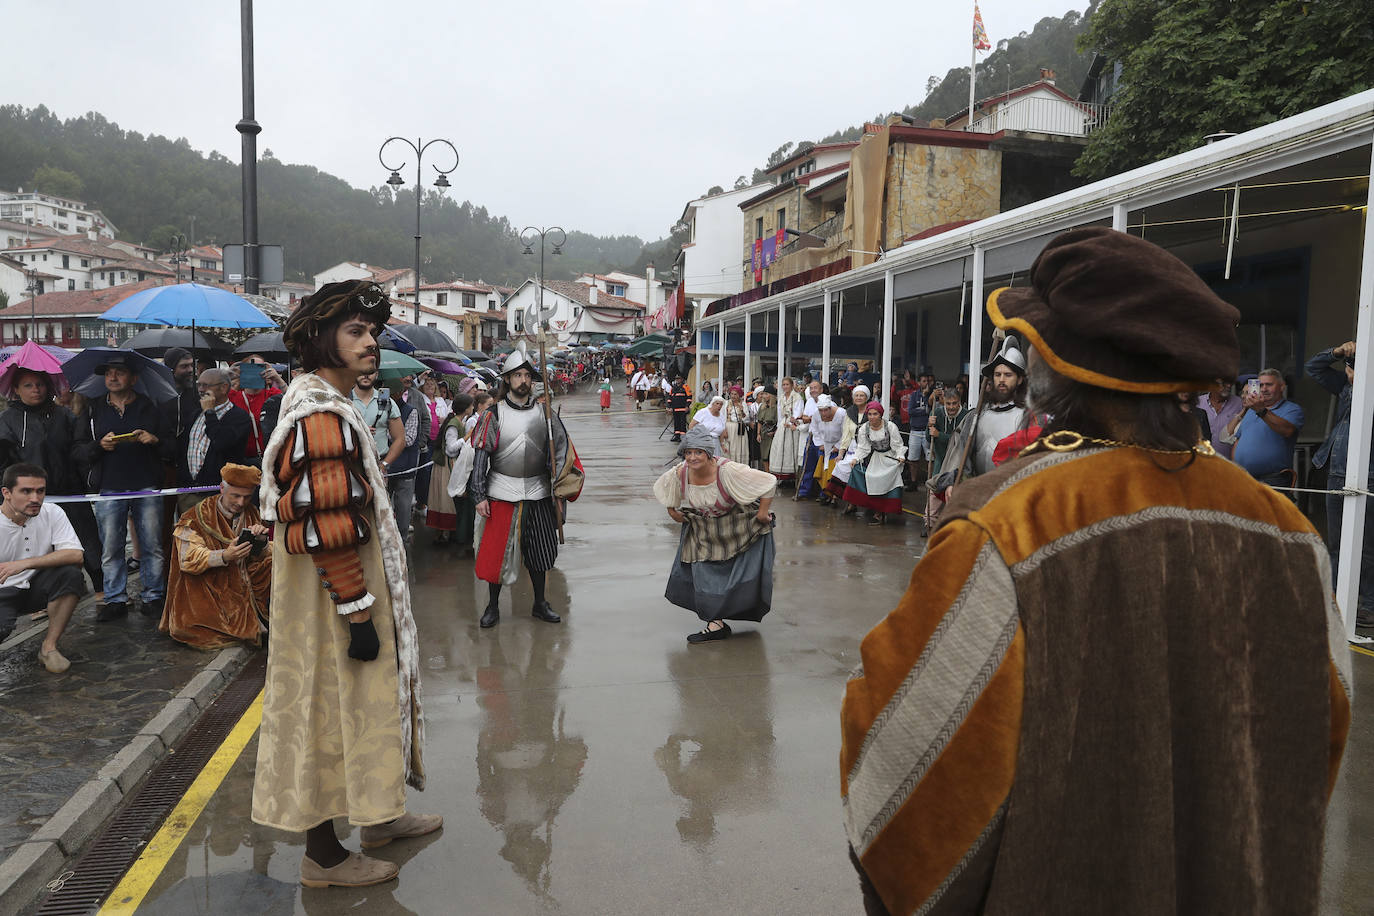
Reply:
x=221, y=577
x=1265, y=432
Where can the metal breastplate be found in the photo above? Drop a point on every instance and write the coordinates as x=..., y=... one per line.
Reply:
x=520, y=466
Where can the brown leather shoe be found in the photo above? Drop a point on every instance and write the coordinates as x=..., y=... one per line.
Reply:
x=407, y=825
x=54, y=661
x=356, y=871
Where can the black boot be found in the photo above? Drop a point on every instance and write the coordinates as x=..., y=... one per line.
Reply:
x=542, y=611
x=493, y=611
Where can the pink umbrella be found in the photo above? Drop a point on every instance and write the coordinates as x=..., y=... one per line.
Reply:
x=34, y=358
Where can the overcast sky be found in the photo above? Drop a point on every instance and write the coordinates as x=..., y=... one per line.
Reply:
x=601, y=116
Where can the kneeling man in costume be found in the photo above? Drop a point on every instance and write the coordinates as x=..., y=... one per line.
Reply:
x=219, y=581
x=511, y=484
x=342, y=729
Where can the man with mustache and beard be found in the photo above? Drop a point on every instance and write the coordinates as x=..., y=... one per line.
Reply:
x=1001, y=414
x=513, y=491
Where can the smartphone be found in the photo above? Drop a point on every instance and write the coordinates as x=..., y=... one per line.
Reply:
x=1252, y=387
x=250, y=375
x=124, y=437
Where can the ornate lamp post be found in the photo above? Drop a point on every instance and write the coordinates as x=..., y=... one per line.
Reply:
x=34, y=287
x=556, y=237
x=177, y=247
x=396, y=181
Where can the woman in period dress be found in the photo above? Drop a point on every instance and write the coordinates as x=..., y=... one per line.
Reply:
x=605, y=390
x=875, y=483
x=711, y=418
x=785, y=451
x=724, y=564
x=735, y=441
x=766, y=423
x=441, y=513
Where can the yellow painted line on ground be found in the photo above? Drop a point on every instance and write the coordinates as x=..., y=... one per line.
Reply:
x=1362, y=650
x=136, y=883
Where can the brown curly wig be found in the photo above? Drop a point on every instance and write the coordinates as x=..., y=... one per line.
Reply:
x=309, y=332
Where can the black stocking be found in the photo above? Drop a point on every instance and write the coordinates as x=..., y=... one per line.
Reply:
x=537, y=580
x=323, y=847
x=494, y=591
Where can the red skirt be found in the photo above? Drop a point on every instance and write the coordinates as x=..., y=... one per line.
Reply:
x=605, y=399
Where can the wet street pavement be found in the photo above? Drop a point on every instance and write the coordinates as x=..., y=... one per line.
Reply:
x=603, y=766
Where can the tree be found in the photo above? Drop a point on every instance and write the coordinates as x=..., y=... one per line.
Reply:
x=160, y=237
x=741, y=182
x=58, y=182
x=1193, y=69
x=778, y=155
x=4, y=299
x=715, y=189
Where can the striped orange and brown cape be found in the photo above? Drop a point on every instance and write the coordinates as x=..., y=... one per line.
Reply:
x=1109, y=688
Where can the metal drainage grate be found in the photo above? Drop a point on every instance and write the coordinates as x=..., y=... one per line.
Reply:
x=111, y=853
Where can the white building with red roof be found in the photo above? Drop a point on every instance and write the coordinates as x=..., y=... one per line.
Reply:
x=60, y=214
x=579, y=312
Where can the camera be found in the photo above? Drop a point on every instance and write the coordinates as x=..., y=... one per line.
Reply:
x=247, y=537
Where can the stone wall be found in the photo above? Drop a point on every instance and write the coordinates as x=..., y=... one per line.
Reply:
x=929, y=186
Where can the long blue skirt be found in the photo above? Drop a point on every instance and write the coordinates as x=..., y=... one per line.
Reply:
x=740, y=588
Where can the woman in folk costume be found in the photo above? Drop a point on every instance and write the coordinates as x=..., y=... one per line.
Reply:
x=734, y=442
x=875, y=481
x=444, y=513
x=766, y=423
x=711, y=418
x=605, y=390
x=831, y=431
x=724, y=564
x=341, y=725
x=786, y=445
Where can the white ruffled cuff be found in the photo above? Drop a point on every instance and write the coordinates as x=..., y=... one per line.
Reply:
x=362, y=604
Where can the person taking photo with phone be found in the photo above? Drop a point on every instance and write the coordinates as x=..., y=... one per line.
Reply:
x=220, y=577
x=1264, y=433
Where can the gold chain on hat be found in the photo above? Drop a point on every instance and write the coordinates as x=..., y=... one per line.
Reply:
x=1066, y=440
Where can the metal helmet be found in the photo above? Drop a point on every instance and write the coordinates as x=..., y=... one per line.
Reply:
x=520, y=359
x=1009, y=355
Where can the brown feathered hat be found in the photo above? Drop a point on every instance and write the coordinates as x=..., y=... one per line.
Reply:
x=328, y=303
x=1112, y=310
x=240, y=475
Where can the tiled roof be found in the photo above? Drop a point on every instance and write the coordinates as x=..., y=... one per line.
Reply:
x=74, y=245
x=43, y=232
x=459, y=285
x=581, y=292
x=496, y=315
x=382, y=276
x=77, y=302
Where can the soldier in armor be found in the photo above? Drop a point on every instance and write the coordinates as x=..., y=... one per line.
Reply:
x=517, y=514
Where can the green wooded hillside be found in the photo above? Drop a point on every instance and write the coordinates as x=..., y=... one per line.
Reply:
x=150, y=186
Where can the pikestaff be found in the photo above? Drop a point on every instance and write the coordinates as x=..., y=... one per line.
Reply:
x=548, y=426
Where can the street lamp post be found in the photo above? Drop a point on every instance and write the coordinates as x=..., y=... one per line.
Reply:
x=418, y=147
x=555, y=236
x=178, y=248
x=33, y=286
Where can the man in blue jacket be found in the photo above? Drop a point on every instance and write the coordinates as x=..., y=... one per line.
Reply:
x=121, y=442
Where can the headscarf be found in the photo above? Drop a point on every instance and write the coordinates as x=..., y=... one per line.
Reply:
x=698, y=438
x=864, y=388
x=873, y=405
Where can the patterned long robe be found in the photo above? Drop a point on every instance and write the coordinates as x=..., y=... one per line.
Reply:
x=340, y=737
x=211, y=605
x=1066, y=715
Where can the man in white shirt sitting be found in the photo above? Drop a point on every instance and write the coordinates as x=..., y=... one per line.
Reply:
x=40, y=560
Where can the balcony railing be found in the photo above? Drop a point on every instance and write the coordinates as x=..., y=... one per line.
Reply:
x=825, y=230
x=1044, y=115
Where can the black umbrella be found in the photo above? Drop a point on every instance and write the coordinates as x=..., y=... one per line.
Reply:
x=267, y=344
x=431, y=339
x=156, y=341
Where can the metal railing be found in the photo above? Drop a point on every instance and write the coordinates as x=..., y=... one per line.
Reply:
x=823, y=230
x=1044, y=115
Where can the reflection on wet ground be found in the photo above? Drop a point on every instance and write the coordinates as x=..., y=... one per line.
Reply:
x=602, y=766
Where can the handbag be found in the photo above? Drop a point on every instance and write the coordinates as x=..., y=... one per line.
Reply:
x=460, y=470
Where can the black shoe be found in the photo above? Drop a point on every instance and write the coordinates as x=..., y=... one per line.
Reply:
x=708, y=634
x=132, y=565
x=490, y=616
x=542, y=611
x=153, y=608
x=112, y=611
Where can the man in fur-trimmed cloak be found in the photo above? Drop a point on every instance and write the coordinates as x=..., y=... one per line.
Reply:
x=1060, y=716
x=342, y=730
x=516, y=495
x=219, y=581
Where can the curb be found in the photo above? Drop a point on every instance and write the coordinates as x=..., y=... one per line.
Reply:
x=25, y=874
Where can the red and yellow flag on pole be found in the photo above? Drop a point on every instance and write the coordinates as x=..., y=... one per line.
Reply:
x=980, y=34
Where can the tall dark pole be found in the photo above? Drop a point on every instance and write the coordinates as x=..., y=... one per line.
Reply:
x=34, y=287
x=250, y=129
x=396, y=181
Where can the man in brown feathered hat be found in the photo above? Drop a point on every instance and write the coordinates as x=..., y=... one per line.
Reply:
x=1060, y=716
x=220, y=577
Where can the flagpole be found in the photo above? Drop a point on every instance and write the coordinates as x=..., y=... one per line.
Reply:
x=972, y=75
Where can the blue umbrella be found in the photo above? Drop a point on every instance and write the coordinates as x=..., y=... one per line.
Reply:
x=189, y=305
x=154, y=379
